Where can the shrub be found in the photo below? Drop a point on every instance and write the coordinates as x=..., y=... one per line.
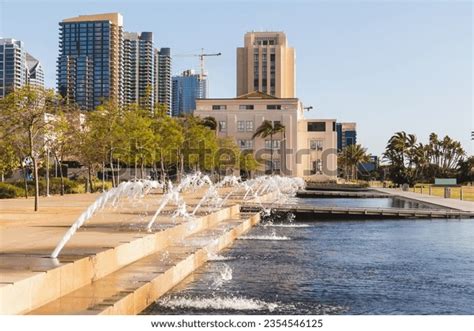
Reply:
x=9, y=191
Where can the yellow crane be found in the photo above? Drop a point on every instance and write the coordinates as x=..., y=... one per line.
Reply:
x=201, y=59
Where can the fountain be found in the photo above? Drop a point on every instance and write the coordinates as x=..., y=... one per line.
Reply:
x=133, y=190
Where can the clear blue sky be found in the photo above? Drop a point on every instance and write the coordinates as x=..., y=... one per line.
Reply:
x=388, y=66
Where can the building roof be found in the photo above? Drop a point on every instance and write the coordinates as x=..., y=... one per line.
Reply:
x=115, y=18
x=31, y=62
x=256, y=95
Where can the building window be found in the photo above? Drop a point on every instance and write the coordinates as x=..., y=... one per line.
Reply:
x=246, y=107
x=317, y=126
x=316, y=145
x=276, y=144
x=273, y=107
x=241, y=126
x=249, y=126
x=219, y=107
x=222, y=126
x=245, y=144
x=317, y=167
x=276, y=166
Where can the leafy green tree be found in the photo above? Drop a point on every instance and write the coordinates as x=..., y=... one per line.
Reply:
x=8, y=158
x=169, y=139
x=248, y=163
x=140, y=138
x=24, y=114
x=227, y=157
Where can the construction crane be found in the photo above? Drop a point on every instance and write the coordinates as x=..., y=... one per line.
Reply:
x=201, y=59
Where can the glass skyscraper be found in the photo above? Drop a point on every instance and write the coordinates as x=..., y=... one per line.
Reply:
x=17, y=67
x=90, y=62
x=186, y=88
x=12, y=65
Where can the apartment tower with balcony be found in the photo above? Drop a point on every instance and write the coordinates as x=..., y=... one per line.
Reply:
x=163, y=93
x=138, y=69
x=90, y=61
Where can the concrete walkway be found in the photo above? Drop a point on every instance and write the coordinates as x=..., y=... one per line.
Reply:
x=111, y=239
x=448, y=203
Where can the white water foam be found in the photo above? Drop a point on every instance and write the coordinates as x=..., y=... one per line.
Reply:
x=264, y=237
x=226, y=272
x=217, y=257
x=217, y=303
x=282, y=225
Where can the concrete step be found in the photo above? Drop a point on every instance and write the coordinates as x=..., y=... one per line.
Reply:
x=29, y=281
x=134, y=287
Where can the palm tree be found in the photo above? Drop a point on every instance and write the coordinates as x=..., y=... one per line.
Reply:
x=268, y=128
x=352, y=156
x=400, y=143
x=210, y=122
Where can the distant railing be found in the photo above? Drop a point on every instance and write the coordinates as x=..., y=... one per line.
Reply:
x=453, y=192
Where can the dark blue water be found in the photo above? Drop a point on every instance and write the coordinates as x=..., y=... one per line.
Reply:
x=363, y=203
x=326, y=267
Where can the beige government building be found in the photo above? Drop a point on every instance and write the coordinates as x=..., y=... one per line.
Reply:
x=266, y=91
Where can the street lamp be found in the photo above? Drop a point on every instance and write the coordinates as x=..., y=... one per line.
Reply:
x=308, y=108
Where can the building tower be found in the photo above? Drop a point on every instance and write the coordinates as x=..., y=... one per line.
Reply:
x=138, y=69
x=163, y=77
x=13, y=69
x=187, y=87
x=346, y=134
x=35, y=73
x=266, y=64
x=90, y=61
x=18, y=67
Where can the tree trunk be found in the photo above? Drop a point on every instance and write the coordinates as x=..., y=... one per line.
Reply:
x=136, y=168
x=61, y=174
x=25, y=178
x=35, y=167
x=162, y=165
x=142, y=169
x=118, y=172
x=2, y=178
x=89, y=178
x=103, y=176
x=181, y=171
x=111, y=161
x=47, y=173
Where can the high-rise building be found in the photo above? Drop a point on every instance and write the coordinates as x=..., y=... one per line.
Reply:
x=266, y=64
x=35, y=73
x=12, y=65
x=163, y=77
x=346, y=134
x=17, y=67
x=138, y=69
x=186, y=88
x=90, y=62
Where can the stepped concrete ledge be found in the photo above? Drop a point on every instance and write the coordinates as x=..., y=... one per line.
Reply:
x=131, y=289
x=111, y=240
x=467, y=206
